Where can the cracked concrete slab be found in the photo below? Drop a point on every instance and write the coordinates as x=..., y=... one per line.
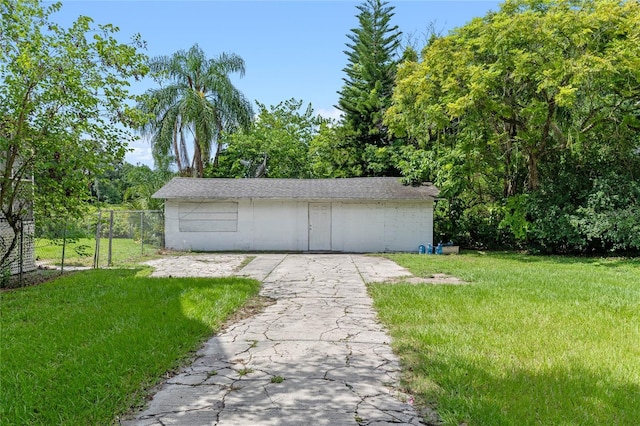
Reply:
x=197, y=265
x=317, y=356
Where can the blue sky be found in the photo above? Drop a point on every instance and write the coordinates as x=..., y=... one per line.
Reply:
x=292, y=49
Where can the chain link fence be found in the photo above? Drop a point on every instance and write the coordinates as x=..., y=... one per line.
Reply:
x=107, y=238
x=19, y=247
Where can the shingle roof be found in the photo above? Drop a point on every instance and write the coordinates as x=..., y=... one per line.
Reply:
x=374, y=188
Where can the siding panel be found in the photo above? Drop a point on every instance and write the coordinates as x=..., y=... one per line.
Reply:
x=208, y=217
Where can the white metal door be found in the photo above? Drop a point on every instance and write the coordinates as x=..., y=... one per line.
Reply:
x=319, y=226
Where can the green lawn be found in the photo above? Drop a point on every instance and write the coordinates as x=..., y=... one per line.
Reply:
x=84, y=348
x=529, y=341
x=124, y=251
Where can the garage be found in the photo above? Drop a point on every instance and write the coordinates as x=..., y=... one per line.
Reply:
x=377, y=214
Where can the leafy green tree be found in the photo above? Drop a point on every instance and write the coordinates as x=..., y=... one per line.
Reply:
x=334, y=152
x=110, y=187
x=64, y=110
x=508, y=103
x=275, y=145
x=143, y=182
x=198, y=104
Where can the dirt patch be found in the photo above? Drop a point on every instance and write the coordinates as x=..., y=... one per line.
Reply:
x=433, y=279
x=247, y=260
x=39, y=276
x=253, y=306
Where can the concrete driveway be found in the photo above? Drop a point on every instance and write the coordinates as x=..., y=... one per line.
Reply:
x=318, y=356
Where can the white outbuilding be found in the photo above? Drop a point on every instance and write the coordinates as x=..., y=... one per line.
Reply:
x=376, y=214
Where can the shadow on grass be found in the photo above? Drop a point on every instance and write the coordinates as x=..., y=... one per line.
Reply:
x=469, y=393
x=83, y=347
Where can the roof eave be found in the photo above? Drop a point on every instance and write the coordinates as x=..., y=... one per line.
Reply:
x=202, y=197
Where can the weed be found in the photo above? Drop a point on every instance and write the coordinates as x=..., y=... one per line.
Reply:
x=277, y=379
x=247, y=260
x=245, y=371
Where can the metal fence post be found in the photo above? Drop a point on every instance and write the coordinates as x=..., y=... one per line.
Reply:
x=142, y=232
x=64, y=247
x=162, y=234
x=96, y=256
x=109, y=263
x=122, y=226
x=21, y=260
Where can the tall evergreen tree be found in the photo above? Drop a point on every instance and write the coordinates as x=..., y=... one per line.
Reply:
x=370, y=71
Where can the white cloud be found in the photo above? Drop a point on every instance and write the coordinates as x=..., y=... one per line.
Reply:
x=333, y=113
x=139, y=153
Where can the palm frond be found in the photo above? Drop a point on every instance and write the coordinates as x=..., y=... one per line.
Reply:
x=198, y=103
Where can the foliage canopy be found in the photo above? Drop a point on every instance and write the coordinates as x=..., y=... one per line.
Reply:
x=275, y=145
x=529, y=121
x=64, y=110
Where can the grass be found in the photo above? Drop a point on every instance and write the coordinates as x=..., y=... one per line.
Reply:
x=530, y=340
x=86, y=347
x=124, y=251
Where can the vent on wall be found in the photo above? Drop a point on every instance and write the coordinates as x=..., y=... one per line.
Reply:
x=208, y=217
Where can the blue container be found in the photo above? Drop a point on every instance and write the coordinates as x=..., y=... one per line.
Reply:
x=429, y=249
x=439, y=248
x=421, y=249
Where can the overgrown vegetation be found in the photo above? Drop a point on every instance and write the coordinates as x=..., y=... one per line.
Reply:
x=62, y=90
x=528, y=121
x=529, y=340
x=86, y=347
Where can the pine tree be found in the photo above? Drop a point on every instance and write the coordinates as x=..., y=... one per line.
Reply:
x=370, y=71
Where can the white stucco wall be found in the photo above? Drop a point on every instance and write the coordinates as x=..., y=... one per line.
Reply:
x=284, y=225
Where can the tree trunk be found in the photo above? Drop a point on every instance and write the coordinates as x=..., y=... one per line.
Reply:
x=510, y=185
x=198, y=166
x=218, y=145
x=176, y=149
x=536, y=152
x=533, y=178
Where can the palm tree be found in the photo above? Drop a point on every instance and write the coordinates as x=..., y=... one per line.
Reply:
x=197, y=105
x=144, y=182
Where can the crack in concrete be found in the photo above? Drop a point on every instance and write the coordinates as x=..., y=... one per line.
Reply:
x=348, y=357
x=320, y=337
x=160, y=415
x=274, y=403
